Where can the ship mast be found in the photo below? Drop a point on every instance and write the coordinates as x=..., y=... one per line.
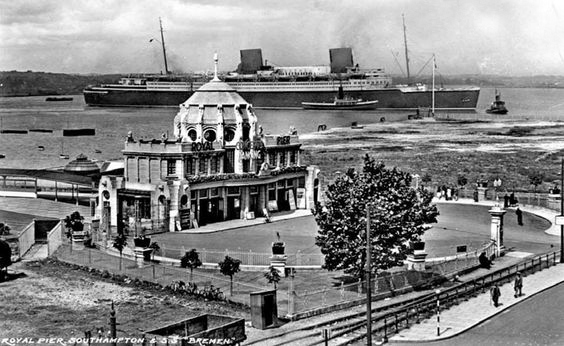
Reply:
x=163, y=43
x=405, y=45
x=433, y=91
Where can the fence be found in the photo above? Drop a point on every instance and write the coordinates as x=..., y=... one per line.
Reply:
x=26, y=239
x=55, y=238
x=154, y=272
x=249, y=258
x=542, y=200
x=452, y=264
x=385, y=283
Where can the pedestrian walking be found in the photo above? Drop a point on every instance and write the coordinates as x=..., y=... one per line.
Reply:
x=495, y=294
x=518, y=285
x=519, y=214
x=505, y=201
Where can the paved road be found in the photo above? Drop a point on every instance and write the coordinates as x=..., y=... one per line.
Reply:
x=536, y=321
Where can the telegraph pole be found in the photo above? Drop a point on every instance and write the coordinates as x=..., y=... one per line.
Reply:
x=368, y=281
x=562, y=211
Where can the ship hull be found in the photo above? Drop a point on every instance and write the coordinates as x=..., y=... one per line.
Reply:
x=388, y=98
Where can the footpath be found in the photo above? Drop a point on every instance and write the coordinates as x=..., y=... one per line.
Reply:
x=474, y=311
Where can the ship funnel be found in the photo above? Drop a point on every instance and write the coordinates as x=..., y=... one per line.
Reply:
x=251, y=61
x=340, y=58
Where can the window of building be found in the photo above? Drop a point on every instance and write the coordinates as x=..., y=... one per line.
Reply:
x=171, y=167
x=272, y=158
x=190, y=166
x=233, y=190
x=193, y=194
x=214, y=163
x=203, y=167
x=228, y=161
x=301, y=182
x=292, y=157
x=204, y=193
x=193, y=134
x=209, y=135
x=246, y=131
x=253, y=189
x=246, y=165
x=283, y=159
x=228, y=134
x=214, y=192
x=271, y=193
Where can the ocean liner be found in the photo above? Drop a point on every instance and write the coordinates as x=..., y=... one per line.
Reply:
x=266, y=86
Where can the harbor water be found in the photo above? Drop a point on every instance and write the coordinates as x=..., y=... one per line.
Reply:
x=42, y=149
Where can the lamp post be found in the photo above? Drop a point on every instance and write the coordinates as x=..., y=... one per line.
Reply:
x=438, y=292
x=368, y=281
x=562, y=211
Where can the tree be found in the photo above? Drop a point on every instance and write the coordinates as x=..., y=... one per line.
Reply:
x=4, y=229
x=120, y=242
x=536, y=179
x=398, y=213
x=426, y=178
x=462, y=180
x=191, y=259
x=5, y=259
x=272, y=276
x=74, y=223
x=229, y=267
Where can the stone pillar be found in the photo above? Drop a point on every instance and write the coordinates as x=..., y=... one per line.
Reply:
x=482, y=193
x=312, y=172
x=496, y=229
x=416, y=261
x=175, y=195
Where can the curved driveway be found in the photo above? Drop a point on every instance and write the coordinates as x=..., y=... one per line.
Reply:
x=458, y=224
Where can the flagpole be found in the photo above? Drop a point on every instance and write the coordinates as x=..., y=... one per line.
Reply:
x=433, y=91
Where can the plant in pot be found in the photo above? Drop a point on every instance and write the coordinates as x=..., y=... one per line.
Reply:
x=278, y=246
x=142, y=241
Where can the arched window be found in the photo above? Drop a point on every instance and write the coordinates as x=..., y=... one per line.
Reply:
x=193, y=134
x=209, y=135
x=228, y=134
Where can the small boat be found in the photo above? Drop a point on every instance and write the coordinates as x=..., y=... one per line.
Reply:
x=98, y=151
x=79, y=132
x=342, y=102
x=23, y=132
x=40, y=147
x=41, y=130
x=498, y=106
x=59, y=99
x=2, y=156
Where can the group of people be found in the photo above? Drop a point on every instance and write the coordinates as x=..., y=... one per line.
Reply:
x=447, y=193
x=509, y=200
x=495, y=292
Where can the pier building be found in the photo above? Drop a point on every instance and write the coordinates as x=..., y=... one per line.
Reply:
x=219, y=165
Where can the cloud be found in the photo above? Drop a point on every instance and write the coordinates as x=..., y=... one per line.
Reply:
x=478, y=36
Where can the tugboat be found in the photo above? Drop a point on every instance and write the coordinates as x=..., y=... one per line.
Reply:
x=341, y=103
x=498, y=106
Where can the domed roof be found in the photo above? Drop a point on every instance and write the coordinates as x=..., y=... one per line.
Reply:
x=82, y=165
x=214, y=93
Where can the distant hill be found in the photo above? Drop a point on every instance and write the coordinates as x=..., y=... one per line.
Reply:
x=490, y=81
x=14, y=83
x=29, y=83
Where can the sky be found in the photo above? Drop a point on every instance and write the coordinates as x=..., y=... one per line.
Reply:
x=502, y=37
